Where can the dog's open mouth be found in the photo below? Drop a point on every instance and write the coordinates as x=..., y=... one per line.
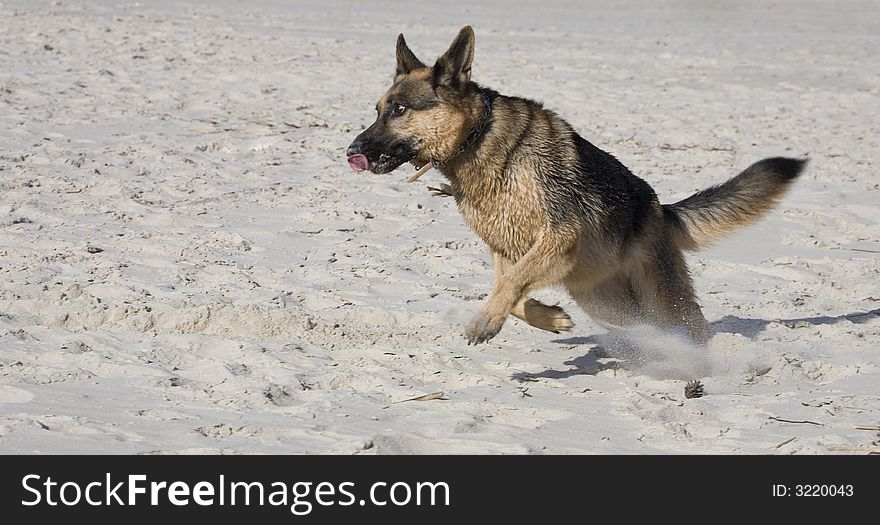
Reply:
x=381, y=163
x=360, y=162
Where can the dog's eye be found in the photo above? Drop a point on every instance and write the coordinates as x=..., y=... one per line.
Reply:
x=397, y=110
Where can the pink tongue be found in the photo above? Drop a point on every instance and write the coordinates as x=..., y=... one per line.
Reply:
x=359, y=162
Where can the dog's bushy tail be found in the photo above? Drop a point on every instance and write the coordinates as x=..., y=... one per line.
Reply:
x=706, y=216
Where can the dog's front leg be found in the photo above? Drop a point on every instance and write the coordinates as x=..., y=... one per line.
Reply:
x=547, y=261
x=533, y=312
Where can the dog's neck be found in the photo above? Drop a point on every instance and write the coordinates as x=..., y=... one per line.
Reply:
x=473, y=135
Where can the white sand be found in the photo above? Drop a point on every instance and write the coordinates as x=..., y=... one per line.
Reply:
x=253, y=295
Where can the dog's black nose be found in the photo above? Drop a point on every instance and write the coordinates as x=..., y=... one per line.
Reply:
x=354, y=149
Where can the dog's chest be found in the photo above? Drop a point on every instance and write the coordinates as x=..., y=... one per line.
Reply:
x=508, y=217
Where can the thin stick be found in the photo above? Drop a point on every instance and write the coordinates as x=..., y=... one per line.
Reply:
x=424, y=169
x=866, y=427
x=786, y=442
x=426, y=397
x=797, y=422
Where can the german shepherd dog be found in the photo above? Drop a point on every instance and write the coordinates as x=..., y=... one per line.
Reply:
x=553, y=208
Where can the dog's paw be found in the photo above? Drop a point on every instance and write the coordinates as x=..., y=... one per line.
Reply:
x=445, y=190
x=481, y=329
x=555, y=320
x=550, y=318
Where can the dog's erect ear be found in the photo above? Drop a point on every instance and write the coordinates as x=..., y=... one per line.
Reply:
x=406, y=60
x=455, y=65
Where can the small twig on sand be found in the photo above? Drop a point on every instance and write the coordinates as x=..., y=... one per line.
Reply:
x=856, y=450
x=867, y=427
x=786, y=442
x=426, y=397
x=796, y=422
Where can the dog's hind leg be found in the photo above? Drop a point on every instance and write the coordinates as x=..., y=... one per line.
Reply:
x=656, y=291
x=668, y=291
x=611, y=303
x=535, y=313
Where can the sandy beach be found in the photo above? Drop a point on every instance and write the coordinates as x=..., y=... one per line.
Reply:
x=188, y=265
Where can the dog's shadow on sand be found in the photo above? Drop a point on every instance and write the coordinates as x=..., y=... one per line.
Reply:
x=587, y=364
x=590, y=364
x=749, y=328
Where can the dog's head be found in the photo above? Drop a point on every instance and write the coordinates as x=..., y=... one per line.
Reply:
x=426, y=113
